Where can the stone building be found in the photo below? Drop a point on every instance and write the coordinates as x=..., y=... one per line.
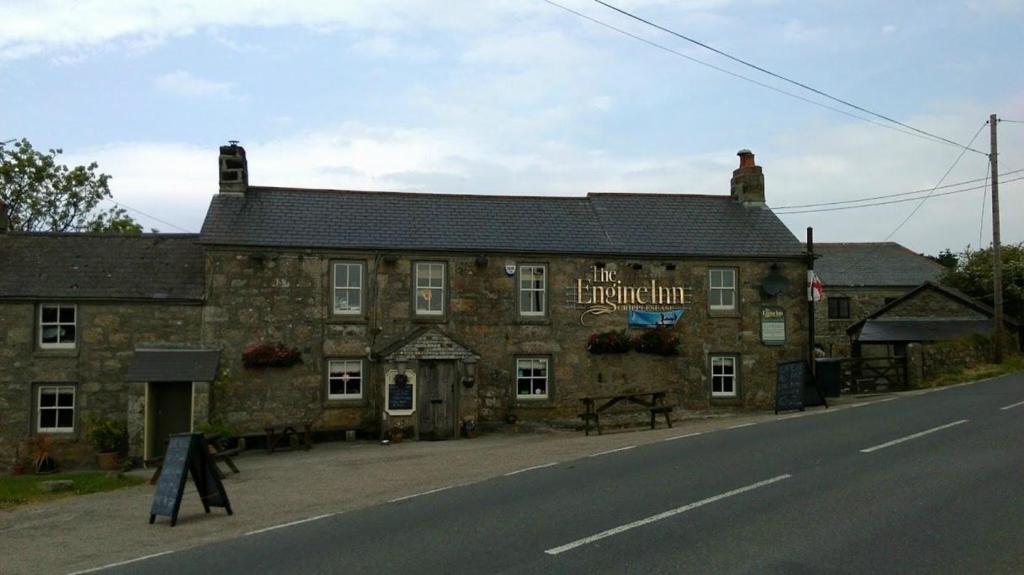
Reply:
x=483, y=305
x=860, y=278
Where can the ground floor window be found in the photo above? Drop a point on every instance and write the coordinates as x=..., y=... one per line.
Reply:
x=531, y=378
x=345, y=379
x=56, y=404
x=723, y=376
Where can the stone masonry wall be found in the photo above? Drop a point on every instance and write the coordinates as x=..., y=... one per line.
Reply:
x=108, y=333
x=932, y=304
x=259, y=296
x=831, y=333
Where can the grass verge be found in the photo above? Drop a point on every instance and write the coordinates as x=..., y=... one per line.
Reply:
x=1010, y=364
x=24, y=489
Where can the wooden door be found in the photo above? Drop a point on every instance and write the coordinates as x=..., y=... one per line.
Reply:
x=436, y=404
x=172, y=412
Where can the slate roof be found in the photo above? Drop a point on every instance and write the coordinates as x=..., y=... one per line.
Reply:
x=110, y=267
x=634, y=224
x=173, y=365
x=882, y=264
x=922, y=329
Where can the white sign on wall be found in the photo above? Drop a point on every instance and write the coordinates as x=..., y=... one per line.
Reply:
x=400, y=399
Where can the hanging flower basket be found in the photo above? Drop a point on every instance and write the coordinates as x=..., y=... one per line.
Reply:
x=270, y=355
x=609, y=342
x=658, y=341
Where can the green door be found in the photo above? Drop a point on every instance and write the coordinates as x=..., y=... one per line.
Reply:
x=172, y=413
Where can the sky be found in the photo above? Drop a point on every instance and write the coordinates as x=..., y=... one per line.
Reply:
x=522, y=97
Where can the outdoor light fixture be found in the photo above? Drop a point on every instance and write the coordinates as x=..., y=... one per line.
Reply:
x=470, y=363
x=400, y=365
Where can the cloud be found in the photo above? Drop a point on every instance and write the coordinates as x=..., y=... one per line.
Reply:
x=182, y=83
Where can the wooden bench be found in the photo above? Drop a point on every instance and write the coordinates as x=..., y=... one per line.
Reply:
x=283, y=433
x=217, y=454
x=653, y=401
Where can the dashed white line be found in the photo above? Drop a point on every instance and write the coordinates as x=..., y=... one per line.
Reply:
x=913, y=436
x=396, y=500
x=289, y=524
x=120, y=563
x=743, y=425
x=542, y=466
x=663, y=515
x=1012, y=405
x=675, y=437
x=611, y=451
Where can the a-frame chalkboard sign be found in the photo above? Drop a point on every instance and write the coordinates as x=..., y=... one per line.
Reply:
x=187, y=453
x=795, y=387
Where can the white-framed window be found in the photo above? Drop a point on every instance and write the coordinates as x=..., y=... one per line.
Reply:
x=57, y=323
x=533, y=283
x=348, y=288
x=429, y=280
x=723, y=376
x=345, y=379
x=722, y=289
x=532, y=378
x=56, y=409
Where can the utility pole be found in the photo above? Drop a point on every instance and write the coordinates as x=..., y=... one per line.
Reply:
x=997, y=260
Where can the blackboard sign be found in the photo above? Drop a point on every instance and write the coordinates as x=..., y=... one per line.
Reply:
x=400, y=397
x=791, y=376
x=187, y=453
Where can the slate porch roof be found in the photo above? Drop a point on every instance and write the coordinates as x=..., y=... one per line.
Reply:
x=164, y=267
x=921, y=329
x=881, y=264
x=164, y=365
x=611, y=224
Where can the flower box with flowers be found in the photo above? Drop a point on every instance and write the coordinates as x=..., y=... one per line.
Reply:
x=270, y=355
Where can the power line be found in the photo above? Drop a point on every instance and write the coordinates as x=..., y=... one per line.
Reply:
x=924, y=199
x=958, y=184
x=984, y=196
x=899, y=201
x=1011, y=121
x=783, y=78
x=152, y=217
x=740, y=76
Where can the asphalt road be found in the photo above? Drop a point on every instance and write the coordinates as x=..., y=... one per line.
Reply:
x=926, y=484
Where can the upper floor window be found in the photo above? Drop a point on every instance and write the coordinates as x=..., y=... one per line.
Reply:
x=532, y=290
x=722, y=289
x=56, y=409
x=348, y=288
x=429, y=288
x=57, y=326
x=838, y=308
x=345, y=379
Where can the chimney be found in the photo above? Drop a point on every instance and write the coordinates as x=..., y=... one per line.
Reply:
x=234, y=170
x=748, y=181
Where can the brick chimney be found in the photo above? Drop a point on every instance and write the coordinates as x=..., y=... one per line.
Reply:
x=748, y=180
x=234, y=169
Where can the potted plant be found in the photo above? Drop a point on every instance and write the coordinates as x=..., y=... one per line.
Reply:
x=397, y=432
x=42, y=462
x=109, y=438
x=609, y=342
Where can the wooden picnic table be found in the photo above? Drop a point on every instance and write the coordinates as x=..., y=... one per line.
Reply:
x=218, y=453
x=653, y=401
x=282, y=433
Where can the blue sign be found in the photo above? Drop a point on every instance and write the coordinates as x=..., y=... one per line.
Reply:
x=638, y=318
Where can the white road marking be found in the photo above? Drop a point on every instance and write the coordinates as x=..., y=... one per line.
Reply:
x=913, y=436
x=663, y=515
x=120, y=563
x=1012, y=405
x=675, y=437
x=542, y=466
x=418, y=494
x=611, y=451
x=743, y=425
x=299, y=522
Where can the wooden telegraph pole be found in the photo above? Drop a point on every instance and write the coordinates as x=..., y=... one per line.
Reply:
x=997, y=260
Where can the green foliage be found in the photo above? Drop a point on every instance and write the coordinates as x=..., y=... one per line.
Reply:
x=25, y=488
x=658, y=341
x=107, y=435
x=42, y=194
x=610, y=342
x=219, y=429
x=972, y=275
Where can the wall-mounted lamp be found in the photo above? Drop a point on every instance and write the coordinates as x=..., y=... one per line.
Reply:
x=400, y=364
x=470, y=363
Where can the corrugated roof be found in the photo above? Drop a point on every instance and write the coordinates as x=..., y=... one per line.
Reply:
x=173, y=365
x=882, y=264
x=924, y=329
x=92, y=266
x=636, y=224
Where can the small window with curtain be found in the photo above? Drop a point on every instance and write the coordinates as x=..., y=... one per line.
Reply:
x=722, y=289
x=531, y=378
x=348, y=288
x=429, y=281
x=57, y=326
x=345, y=379
x=532, y=290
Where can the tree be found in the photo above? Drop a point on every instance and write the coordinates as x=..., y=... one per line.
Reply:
x=973, y=276
x=42, y=194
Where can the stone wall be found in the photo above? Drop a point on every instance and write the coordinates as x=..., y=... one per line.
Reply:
x=108, y=333
x=260, y=296
x=831, y=333
x=931, y=303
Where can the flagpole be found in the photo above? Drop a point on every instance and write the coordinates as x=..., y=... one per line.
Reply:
x=810, y=298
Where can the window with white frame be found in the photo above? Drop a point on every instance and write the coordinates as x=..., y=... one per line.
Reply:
x=429, y=288
x=722, y=289
x=532, y=289
x=345, y=379
x=57, y=324
x=56, y=405
x=348, y=288
x=723, y=376
x=531, y=378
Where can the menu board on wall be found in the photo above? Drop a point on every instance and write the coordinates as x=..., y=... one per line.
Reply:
x=400, y=399
x=773, y=326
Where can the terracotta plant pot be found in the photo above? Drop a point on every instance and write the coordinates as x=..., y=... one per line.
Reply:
x=110, y=461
